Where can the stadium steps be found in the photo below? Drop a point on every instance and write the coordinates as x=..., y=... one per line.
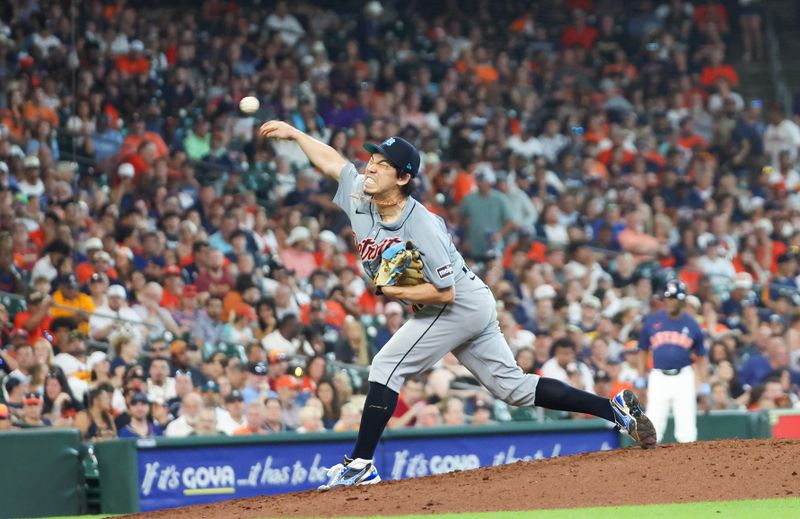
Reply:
x=755, y=77
x=786, y=19
x=756, y=81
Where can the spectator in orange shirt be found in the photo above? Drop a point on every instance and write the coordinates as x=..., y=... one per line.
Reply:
x=35, y=319
x=621, y=65
x=332, y=311
x=85, y=269
x=593, y=168
x=691, y=272
x=715, y=70
x=579, y=34
x=138, y=134
x=525, y=24
x=46, y=232
x=134, y=63
x=687, y=139
x=98, y=261
x=766, y=249
x=143, y=161
x=463, y=185
x=173, y=288
x=484, y=68
x=36, y=110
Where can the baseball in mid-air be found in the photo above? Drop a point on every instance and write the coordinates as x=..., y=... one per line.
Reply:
x=249, y=104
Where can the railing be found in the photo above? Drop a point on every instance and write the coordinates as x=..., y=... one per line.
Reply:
x=16, y=303
x=782, y=94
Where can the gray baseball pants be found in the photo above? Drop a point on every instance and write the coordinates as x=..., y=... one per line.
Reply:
x=469, y=328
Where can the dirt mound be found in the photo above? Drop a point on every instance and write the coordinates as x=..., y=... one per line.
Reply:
x=706, y=471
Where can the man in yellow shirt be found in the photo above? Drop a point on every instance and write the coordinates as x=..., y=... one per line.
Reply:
x=71, y=302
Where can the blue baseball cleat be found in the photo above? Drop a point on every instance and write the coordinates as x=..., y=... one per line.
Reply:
x=343, y=475
x=631, y=420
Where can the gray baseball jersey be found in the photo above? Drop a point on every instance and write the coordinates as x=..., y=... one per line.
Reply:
x=443, y=265
x=468, y=327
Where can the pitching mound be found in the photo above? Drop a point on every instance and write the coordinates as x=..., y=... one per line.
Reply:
x=707, y=471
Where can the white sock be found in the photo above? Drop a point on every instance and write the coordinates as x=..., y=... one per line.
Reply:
x=359, y=463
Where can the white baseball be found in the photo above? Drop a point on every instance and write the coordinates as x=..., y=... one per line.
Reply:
x=249, y=104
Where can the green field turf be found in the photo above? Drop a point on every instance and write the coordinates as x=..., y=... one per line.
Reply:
x=772, y=508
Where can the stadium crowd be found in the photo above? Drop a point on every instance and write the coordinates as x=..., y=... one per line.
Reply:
x=180, y=276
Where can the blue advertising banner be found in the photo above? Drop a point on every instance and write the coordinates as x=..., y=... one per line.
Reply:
x=170, y=477
x=180, y=476
x=414, y=457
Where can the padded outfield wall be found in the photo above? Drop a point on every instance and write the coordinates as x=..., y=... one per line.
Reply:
x=167, y=472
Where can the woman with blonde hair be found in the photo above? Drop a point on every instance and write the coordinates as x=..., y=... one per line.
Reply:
x=343, y=385
x=350, y=418
x=187, y=234
x=43, y=353
x=352, y=347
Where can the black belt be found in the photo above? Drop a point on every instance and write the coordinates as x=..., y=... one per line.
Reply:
x=670, y=372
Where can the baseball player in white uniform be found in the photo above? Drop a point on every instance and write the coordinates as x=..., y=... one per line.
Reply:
x=455, y=309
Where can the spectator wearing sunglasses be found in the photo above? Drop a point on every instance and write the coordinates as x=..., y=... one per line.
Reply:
x=32, y=412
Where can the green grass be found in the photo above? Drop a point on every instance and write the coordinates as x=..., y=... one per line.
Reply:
x=101, y=516
x=772, y=508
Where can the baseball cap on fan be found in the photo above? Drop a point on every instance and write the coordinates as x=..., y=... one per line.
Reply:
x=117, y=291
x=31, y=161
x=93, y=243
x=401, y=153
x=675, y=290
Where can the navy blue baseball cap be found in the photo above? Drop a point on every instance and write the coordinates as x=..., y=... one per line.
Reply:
x=140, y=398
x=401, y=153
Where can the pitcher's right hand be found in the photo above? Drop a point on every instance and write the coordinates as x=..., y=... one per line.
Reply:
x=277, y=130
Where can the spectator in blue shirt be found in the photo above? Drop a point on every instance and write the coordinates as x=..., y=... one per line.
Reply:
x=140, y=425
x=106, y=141
x=760, y=365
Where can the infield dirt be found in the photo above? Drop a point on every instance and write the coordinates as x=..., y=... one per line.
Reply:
x=705, y=471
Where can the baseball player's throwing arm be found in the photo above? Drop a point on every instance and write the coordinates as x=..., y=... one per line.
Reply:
x=325, y=158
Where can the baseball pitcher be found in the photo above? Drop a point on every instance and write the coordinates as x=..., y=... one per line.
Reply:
x=672, y=336
x=410, y=256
